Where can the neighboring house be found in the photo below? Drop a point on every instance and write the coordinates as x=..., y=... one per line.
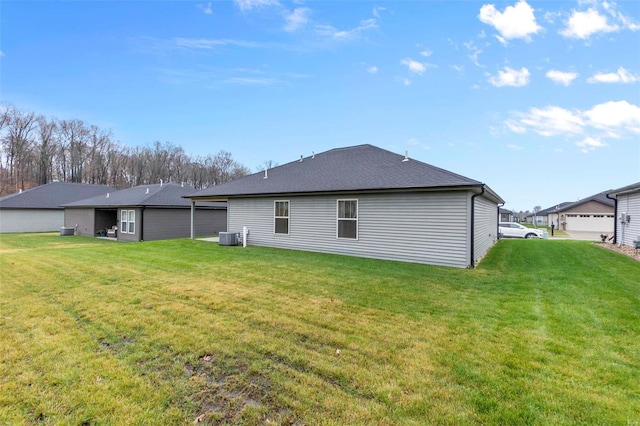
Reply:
x=627, y=214
x=506, y=215
x=551, y=214
x=145, y=213
x=367, y=202
x=40, y=209
x=591, y=214
x=536, y=218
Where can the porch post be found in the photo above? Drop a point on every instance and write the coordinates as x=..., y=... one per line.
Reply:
x=193, y=213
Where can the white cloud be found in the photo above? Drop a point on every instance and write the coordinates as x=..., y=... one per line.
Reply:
x=516, y=21
x=207, y=43
x=377, y=10
x=510, y=77
x=624, y=20
x=252, y=81
x=246, y=5
x=415, y=67
x=621, y=76
x=297, y=19
x=550, y=121
x=206, y=8
x=561, y=77
x=582, y=25
x=515, y=147
x=615, y=116
x=406, y=82
x=473, y=53
x=331, y=32
x=426, y=53
x=372, y=69
x=515, y=127
x=416, y=143
x=614, y=119
x=458, y=68
x=589, y=144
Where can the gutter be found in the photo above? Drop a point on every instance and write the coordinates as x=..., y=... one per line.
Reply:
x=615, y=218
x=473, y=214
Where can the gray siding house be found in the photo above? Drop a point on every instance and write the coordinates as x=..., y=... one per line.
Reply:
x=145, y=213
x=40, y=209
x=590, y=214
x=627, y=214
x=367, y=202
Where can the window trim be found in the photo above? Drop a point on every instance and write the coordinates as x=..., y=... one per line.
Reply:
x=288, y=216
x=132, y=222
x=124, y=221
x=356, y=219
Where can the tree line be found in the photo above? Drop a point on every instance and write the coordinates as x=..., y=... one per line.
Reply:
x=35, y=150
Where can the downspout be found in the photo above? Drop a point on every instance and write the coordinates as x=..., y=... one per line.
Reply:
x=193, y=209
x=142, y=224
x=615, y=218
x=473, y=214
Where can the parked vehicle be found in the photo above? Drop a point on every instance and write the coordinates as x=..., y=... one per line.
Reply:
x=515, y=230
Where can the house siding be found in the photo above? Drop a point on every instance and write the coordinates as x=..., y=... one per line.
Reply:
x=485, y=227
x=585, y=217
x=630, y=232
x=426, y=227
x=161, y=224
x=30, y=220
x=83, y=220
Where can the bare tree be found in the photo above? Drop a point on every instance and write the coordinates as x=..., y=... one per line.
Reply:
x=17, y=144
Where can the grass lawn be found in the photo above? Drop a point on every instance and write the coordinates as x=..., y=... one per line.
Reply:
x=176, y=332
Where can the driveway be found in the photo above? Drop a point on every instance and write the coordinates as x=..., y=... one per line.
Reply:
x=587, y=236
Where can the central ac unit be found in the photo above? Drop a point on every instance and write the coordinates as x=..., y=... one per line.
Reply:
x=228, y=238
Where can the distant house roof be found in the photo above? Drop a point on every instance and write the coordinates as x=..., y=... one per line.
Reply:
x=600, y=198
x=156, y=195
x=52, y=195
x=554, y=209
x=502, y=211
x=356, y=168
x=629, y=188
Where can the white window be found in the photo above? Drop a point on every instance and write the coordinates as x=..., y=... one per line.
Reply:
x=281, y=217
x=124, y=221
x=348, y=219
x=132, y=221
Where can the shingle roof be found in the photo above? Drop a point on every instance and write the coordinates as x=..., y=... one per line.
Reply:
x=555, y=208
x=157, y=195
x=600, y=198
x=629, y=188
x=356, y=168
x=51, y=195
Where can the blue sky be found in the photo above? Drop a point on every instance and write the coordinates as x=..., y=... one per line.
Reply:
x=540, y=100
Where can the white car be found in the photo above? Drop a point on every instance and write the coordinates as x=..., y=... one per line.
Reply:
x=515, y=230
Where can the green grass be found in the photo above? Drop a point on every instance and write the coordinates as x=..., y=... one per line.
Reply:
x=99, y=332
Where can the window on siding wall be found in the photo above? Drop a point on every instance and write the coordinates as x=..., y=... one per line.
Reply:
x=124, y=220
x=281, y=217
x=132, y=221
x=348, y=219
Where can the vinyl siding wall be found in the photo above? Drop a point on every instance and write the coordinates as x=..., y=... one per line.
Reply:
x=30, y=220
x=414, y=227
x=81, y=219
x=629, y=232
x=485, y=227
x=162, y=224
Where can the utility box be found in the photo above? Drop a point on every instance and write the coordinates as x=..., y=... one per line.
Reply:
x=229, y=238
x=67, y=230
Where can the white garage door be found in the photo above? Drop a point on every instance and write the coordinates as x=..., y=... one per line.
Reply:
x=590, y=222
